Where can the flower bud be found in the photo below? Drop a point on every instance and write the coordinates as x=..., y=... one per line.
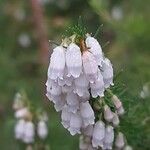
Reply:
x=98, y=134
x=21, y=113
x=108, y=114
x=116, y=101
x=120, y=111
x=115, y=120
x=88, y=131
x=120, y=142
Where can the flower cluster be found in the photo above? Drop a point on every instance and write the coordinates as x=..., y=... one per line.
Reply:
x=28, y=126
x=78, y=76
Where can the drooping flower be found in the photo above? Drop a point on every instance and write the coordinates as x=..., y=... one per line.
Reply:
x=42, y=129
x=73, y=60
x=107, y=72
x=95, y=48
x=87, y=114
x=90, y=66
x=57, y=63
x=19, y=129
x=116, y=101
x=109, y=137
x=97, y=88
x=115, y=120
x=75, y=124
x=29, y=132
x=98, y=134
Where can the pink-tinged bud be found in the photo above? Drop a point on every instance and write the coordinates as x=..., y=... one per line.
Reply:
x=115, y=120
x=108, y=114
x=116, y=101
x=120, y=111
x=82, y=144
x=98, y=134
x=120, y=141
x=42, y=129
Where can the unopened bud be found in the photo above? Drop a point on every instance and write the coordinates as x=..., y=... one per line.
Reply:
x=108, y=114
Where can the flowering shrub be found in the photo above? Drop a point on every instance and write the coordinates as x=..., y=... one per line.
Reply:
x=79, y=75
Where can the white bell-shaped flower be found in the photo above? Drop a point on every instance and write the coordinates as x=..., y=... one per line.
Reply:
x=88, y=131
x=107, y=72
x=19, y=129
x=53, y=88
x=81, y=85
x=90, y=66
x=95, y=48
x=87, y=114
x=42, y=129
x=75, y=124
x=108, y=114
x=115, y=120
x=29, y=132
x=65, y=117
x=116, y=101
x=73, y=102
x=120, y=141
x=98, y=134
x=60, y=103
x=97, y=88
x=57, y=63
x=109, y=137
x=73, y=60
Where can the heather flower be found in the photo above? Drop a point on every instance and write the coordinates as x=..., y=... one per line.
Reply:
x=57, y=63
x=120, y=111
x=19, y=129
x=42, y=129
x=107, y=72
x=115, y=120
x=95, y=48
x=90, y=66
x=87, y=114
x=29, y=132
x=75, y=124
x=21, y=113
x=88, y=131
x=97, y=88
x=109, y=137
x=98, y=134
x=73, y=60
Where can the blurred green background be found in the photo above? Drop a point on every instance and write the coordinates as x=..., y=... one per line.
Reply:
x=126, y=25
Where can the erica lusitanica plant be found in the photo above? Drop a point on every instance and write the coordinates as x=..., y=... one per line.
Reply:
x=79, y=81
